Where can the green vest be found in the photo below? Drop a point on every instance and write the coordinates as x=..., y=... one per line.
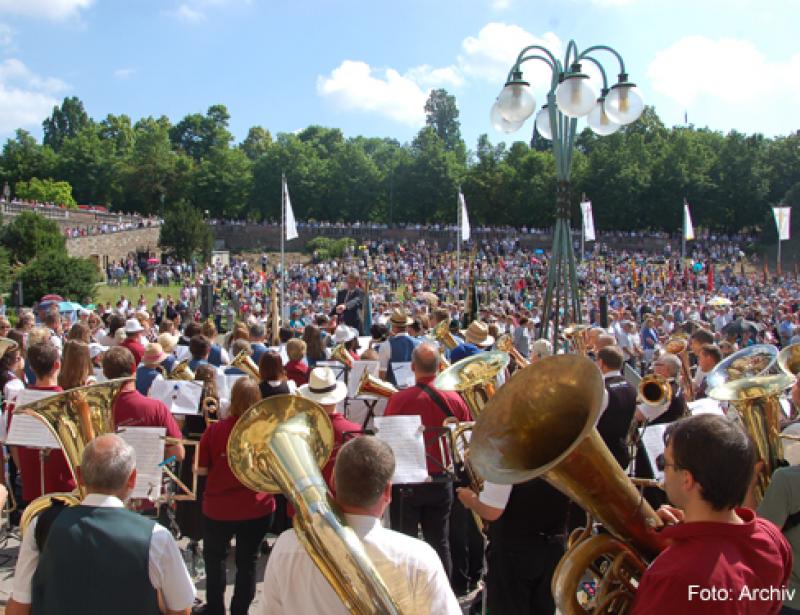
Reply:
x=95, y=561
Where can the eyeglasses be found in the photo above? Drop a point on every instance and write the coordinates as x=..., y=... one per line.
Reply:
x=661, y=464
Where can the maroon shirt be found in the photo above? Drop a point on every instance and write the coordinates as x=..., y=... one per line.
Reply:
x=57, y=475
x=135, y=346
x=297, y=371
x=710, y=567
x=132, y=409
x=340, y=426
x=414, y=400
x=225, y=498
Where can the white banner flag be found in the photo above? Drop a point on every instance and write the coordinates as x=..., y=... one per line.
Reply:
x=464, y=218
x=782, y=217
x=291, y=226
x=688, y=228
x=588, y=221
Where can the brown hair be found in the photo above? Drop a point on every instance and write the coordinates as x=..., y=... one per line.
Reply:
x=207, y=374
x=611, y=356
x=42, y=358
x=270, y=367
x=244, y=394
x=313, y=339
x=295, y=349
x=118, y=362
x=80, y=331
x=76, y=365
x=199, y=346
x=209, y=330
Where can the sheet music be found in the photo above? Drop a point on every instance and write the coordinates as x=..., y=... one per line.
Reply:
x=27, y=430
x=182, y=353
x=363, y=343
x=404, y=435
x=337, y=368
x=403, y=375
x=359, y=367
x=706, y=405
x=27, y=396
x=653, y=441
x=180, y=396
x=148, y=442
x=632, y=377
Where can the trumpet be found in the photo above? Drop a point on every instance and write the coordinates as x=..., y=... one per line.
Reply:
x=505, y=344
x=654, y=390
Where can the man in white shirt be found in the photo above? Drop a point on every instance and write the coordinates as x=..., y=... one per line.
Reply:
x=412, y=569
x=130, y=559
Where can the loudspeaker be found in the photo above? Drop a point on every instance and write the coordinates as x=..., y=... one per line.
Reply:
x=206, y=299
x=604, y=311
x=16, y=294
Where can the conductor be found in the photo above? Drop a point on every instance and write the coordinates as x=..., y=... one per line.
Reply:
x=349, y=303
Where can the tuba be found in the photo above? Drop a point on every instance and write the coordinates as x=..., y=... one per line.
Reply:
x=370, y=385
x=788, y=360
x=756, y=401
x=75, y=418
x=278, y=445
x=441, y=333
x=474, y=378
x=505, y=344
x=181, y=371
x=245, y=363
x=576, y=336
x=758, y=360
x=541, y=423
x=340, y=353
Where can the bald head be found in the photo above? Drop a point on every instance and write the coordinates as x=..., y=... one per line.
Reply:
x=108, y=466
x=425, y=360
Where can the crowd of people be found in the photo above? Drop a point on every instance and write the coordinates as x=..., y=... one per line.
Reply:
x=382, y=301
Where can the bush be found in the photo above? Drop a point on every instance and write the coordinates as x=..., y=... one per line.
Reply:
x=56, y=272
x=324, y=247
x=46, y=191
x=31, y=234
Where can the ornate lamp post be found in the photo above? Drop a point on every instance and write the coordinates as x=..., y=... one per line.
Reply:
x=570, y=96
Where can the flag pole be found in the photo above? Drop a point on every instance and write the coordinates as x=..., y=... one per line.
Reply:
x=283, y=236
x=458, y=247
x=683, y=234
x=583, y=228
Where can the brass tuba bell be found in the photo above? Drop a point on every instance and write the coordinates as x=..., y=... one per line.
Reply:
x=474, y=378
x=576, y=336
x=370, y=385
x=341, y=354
x=788, y=359
x=245, y=363
x=279, y=445
x=181, y=371
x=441, y=333
x=541, y=424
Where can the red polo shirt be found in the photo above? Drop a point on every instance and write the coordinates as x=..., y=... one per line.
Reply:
x=414, y=400
x=136, y=348
x=719, y=568
x=132, y=409
x=57, y=475
x=225, y=498
x=340, y=426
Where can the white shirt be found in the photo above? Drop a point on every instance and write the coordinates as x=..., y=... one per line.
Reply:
x=165, y=565
x=293, y=584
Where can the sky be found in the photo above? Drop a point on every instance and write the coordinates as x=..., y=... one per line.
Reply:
x=367, y=67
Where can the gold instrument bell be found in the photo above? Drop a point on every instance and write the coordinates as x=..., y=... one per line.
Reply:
x=441, y=333
x=576, y=336
x=371, y=385
x=788, y=359
x=474, y=378
x=541, y=424
x=340, y=353
x=181, y=371
x=505, y=343
x=654, y=390
x=279, y=445
x=244, y=362
x=75, y=418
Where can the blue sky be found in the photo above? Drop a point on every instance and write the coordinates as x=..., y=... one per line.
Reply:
x=366, y=67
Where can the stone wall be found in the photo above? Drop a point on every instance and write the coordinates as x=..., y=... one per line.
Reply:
x=115, y=246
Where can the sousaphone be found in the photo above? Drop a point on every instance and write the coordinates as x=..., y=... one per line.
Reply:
x=474, y=378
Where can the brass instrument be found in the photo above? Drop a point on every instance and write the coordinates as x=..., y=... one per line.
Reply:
x=576, y=336
x=441, y=333
x=181, y=371
x=541, y=423
x=505, y=344
x=654, y=390
x=678, y=345
x=756, y=401
x=758, y=360
x=75, y=418
x=210, y=408
x=788, y=359
x=245, y=363
x=341, y=354
x=274, y=313
x=459, y=449
x=474, y=378
x=278, y=445
x=370, y=385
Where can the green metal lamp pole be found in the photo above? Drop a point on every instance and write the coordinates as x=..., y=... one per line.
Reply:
x=570, y=97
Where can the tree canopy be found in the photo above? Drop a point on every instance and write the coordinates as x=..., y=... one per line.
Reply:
x=636, y=178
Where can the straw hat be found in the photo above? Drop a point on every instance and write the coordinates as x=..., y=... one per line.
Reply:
x=478, y=333
x=323, y=387
x=153, y=354
x=400, y=318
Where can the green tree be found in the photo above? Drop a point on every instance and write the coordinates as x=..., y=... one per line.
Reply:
x=185, y=232
x=222, y=182
x=23, y=158
x=90, y=165
x=118, y=132
x=30, y=234
x=256, y=142
x=441, y=114
x=46, y=191
x=64, y=122
x=56, y=272
x=197, y=135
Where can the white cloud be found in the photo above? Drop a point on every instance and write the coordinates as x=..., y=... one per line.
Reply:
x=124, y=73
x=194, y=11
x=500, y=5
x=25, y=97
x=186, y=13
x=354, y=86
x=6, y=35
x=726, y=71
x=426, y=75
x=49, y=9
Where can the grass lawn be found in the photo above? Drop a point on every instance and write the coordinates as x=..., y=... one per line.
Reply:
x=111, y=294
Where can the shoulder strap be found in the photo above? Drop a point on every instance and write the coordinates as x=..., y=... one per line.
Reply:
x=437, y=399
x=45, y=521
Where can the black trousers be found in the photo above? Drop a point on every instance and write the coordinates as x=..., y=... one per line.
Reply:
x=427, y=505
x=519, y=576
x=216, y=544
x=466, y=549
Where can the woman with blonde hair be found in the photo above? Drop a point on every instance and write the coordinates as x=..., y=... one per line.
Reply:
x=76, y=365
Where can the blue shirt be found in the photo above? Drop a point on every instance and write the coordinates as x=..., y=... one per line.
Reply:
x=462, y=351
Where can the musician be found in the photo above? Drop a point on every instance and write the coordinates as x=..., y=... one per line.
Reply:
x=273, y=376
x=349, y=303
x=168, y=343
x=710, y=355
x=151, y=367
x=398, y=347
x=98, y=557
x=476, y=339
x=526, y=542
x=698, y=339
x=133, y=409
x=616, y=420
x=296, y=368
x=349, y=338
x=293, y=583
x=76, y=366
x=708, y=468
x=324, y=389
x=257, y=336
x=200, y=350
x=427, y=504
x=132, y=341
x=231, y=509
x=217, y=356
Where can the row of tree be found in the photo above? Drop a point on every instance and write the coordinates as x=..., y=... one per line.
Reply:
x=636, y=178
